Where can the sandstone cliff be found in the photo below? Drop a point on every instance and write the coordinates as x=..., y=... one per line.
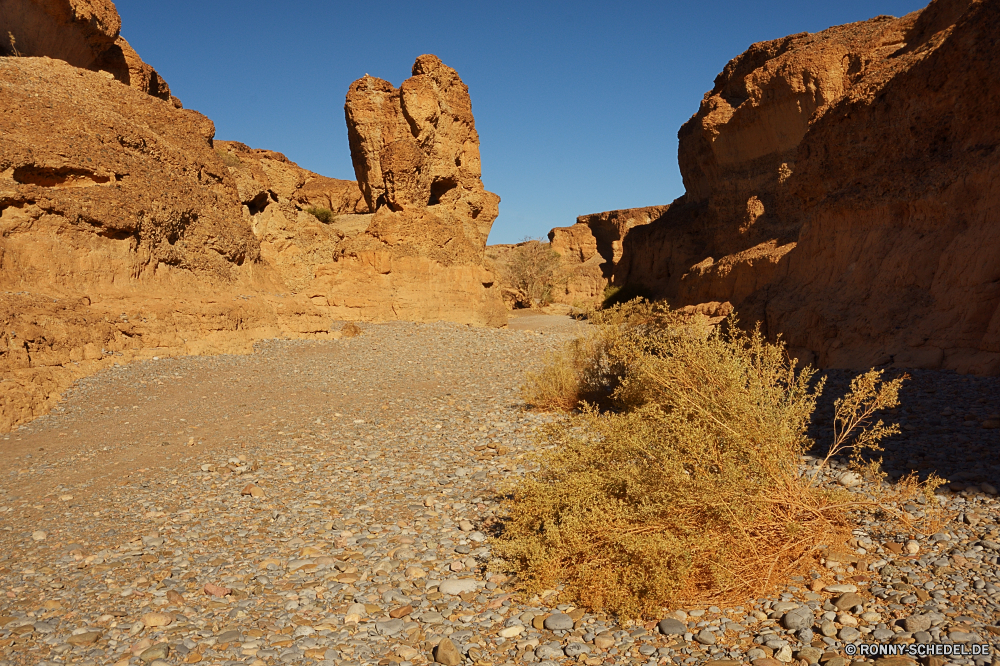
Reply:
x=842, y=188
x=126, y=231
x=83, y=33
x=416, y=156
x=121, y=236
x=591, y=248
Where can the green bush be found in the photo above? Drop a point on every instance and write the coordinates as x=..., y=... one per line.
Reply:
x=324, y=215
x=687, y=487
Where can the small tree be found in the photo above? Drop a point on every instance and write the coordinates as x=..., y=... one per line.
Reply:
x=529, y=273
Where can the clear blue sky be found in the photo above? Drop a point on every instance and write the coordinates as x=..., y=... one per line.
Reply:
x=577, y=104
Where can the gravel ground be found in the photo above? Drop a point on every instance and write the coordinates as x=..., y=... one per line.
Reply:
x=328, y=503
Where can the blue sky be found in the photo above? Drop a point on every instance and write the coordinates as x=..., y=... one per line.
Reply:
x=577, y=104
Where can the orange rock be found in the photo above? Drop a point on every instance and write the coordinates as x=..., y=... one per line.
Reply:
x=814, y=202
x=402, y=611
x=216, y=590
x=253, y=491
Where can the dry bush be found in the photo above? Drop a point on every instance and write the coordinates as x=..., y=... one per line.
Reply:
x=690, y=487
x=228, y=158
x=324, y=215
x=528, y=273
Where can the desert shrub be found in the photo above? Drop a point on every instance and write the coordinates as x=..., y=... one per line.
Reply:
x=13, y=45
x=619, y=294
x=324, y=215
x=228, y=158
x=529, y=273
x=689, y=486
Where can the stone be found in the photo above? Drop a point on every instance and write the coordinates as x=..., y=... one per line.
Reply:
x=511, y=632
x=809, y=654
x=797, y=618
x=848, y=601
x=355, y=613
x=669, y=626
x=216, y=590
x=389, y=627
x=253, y=491
x=783, y=654
x=705, y=637
x=158, y=651
x=848, y=634
x=465, y=526
x=841, y=588
x=157, y=619
x=401, y=611
x=457, y=586
x=175, y=597
x=38, y=535
x=558, y=622
x=916, y=623
x=604, y=641
x=575, y=649
x=446, y=653
x=849, y=479
x=85, y=638
x=549, y=651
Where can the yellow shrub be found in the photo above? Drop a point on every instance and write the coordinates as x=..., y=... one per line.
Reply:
x=688, y=487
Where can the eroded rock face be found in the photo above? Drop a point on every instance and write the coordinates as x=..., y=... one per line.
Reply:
x=416, y=157
x=83, y=33
x=121, y=234
x=417, y=148
x=591, y=248
x=841, y=187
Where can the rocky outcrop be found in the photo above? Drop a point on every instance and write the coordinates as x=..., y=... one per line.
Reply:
x=842, y=188
x=416, y=156
x=83, y=33
x=121, y=236
x=590, y=250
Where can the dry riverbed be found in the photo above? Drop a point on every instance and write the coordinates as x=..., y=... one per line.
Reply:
x=328, y=503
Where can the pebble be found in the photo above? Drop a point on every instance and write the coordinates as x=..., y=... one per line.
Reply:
x=347, y=556
x=558, y=622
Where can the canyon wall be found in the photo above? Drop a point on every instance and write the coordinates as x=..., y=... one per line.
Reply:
x=842, y=188
x=127, y=231
x=82, y=33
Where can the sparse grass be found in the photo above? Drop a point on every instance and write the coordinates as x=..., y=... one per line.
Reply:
x=13, y=45
x=618, y=294
x=324, y=215
x=688, y=486
x=228, y=158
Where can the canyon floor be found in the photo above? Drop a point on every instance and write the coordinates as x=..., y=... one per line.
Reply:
x=329, y=503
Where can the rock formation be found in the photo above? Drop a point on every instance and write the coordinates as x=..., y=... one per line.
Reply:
x=83, y=33
x=842, y=188
x=416, y=156
x=121, y=236
x=591, y=248
x=126, y=231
